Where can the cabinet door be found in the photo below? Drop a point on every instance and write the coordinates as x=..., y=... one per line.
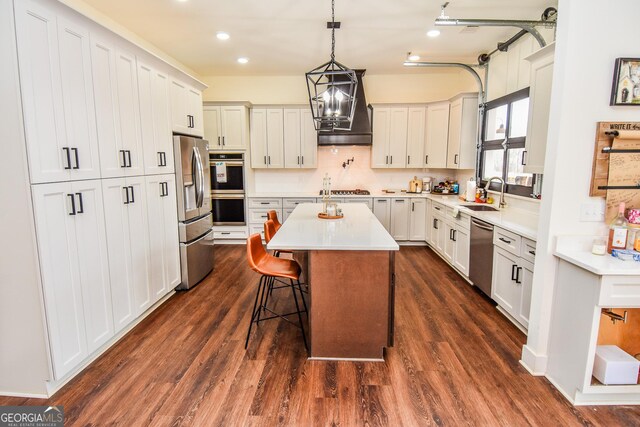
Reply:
x=380, y=149
x=154, y=120
x=449, y=245
x=61, y=280
x=194, y=109
x=41, y=89
x=285, y=213
x=382, y=211
x=234, y=124
x=497, y=78
x=139, y=244
x=259, y=138
x=415, y=137
x=275, y=138
x=439, y=233
x=212, y=127
x=453, y=141
x=461, y=250
x=468, y=134
x=170, y=230
x=525, y=277
x=400, y=219
x=309, y=140
x=504, y=289
x=292, y=137
x=181, y=123
x=428, y=221
x=398, y=138
x=436, y=135
x=129, y=111
x=116, y=199
x=417, y=222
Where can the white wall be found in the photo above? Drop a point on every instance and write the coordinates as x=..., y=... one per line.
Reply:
x=586, y=50
x=23, y=361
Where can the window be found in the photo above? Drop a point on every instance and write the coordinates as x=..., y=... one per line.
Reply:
x=503, y=137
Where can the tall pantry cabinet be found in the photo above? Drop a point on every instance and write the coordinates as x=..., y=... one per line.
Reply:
x=98, y=119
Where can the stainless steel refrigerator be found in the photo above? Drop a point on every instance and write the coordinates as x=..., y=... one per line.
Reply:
x=193, y=188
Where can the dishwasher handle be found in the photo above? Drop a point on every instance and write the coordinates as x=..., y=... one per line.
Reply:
x=482, y=225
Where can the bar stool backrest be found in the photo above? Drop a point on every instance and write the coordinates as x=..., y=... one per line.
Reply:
x=269, y=230
x=255, y=252
x=273, y=216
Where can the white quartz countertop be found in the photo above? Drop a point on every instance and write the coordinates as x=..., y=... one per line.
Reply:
x=577, y=251
x=359, y=230
x=317, y=194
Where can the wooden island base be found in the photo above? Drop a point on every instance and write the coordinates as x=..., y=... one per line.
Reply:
x=352, y=299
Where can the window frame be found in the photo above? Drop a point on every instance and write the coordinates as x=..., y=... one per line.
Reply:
x=506, y=144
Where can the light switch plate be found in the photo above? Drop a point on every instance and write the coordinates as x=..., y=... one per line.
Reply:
x=592, y=211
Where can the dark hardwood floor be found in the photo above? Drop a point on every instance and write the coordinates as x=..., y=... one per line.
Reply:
x=455, y=362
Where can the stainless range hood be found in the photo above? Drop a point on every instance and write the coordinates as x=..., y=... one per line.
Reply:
x=360, y=133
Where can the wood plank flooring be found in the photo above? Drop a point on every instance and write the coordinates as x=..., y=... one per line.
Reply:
x=455, y=362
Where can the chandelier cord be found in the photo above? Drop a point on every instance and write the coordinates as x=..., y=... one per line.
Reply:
x=333, y=31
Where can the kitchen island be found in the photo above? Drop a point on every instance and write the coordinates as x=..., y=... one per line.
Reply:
x=349, y=267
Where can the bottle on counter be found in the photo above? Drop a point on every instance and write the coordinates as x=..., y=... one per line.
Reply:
x=618, y=231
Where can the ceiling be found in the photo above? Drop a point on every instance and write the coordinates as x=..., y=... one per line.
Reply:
x=289, y=37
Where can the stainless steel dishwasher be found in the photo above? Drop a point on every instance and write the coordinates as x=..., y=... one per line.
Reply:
x=481, y=255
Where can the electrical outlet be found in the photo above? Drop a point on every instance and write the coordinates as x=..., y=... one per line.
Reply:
x=592, y=212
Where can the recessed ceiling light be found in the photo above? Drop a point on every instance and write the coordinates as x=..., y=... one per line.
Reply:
x=221, y=35
x=433, y=33
x=243, y=60
x=414, y=57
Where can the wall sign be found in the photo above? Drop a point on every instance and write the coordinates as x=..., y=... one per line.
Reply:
x=626, y=82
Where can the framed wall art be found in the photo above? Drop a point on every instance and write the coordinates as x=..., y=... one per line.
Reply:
x=626, y=82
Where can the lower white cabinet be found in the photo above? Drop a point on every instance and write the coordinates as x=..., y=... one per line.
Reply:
x=512, y=279
x=164, y=252
x=366, y=200
x=125, y=207
x=417, y=225
x=450, y=236
x=73, y=260
x=462, y=245
x=382, y=211
x=399, y=218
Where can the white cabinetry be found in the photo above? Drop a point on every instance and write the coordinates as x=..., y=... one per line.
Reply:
x=258, y=209
x=437, y=132
x=463, y=132
x=389, y=137
x=128, y=244
x=416, y=219
x=382, y=211
x=512, y=274
x=226, y=127
x=539, y=102
x=116, y=95
x=267, y=138
x=508, y=71
x=450, y=236
x=75, y=277
x=300, y=139
x=186, y=108
x=57, y=95
x=415, y=136
x=400, y=218
x=155, y=120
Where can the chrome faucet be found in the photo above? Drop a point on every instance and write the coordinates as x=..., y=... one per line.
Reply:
x=502, y=203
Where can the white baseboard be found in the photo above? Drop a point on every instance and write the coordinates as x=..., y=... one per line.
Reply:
x=534, y=363
x=409, y=243
x=231, y=242
x=28, y=395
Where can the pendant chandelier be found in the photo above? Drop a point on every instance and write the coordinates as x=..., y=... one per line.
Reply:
x=332, y=89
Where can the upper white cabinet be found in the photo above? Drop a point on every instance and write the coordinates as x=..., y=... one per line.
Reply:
x=416, y=123
x=463, y=132
x=267, y=138
x=115, y=86
x=389, y=137
x=75, y=277
x=508, y=71
x=57, y=94
x=308, y=140
x=437, y=134
x=186, y=108
x=226, y=127
x=539, y=102
x=300, y=139
x=155, y=120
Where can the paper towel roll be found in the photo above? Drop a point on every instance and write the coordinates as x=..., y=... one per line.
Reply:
x=471, y=191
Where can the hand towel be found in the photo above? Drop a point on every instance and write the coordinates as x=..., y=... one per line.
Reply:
x=221, y=172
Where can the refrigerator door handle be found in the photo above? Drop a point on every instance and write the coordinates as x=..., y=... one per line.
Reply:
x=199, y=177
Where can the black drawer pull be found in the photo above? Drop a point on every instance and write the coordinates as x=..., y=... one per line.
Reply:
x=226, y=233
x=508, y=242
x=518, y=270
x=75, y=156
x=514, y=272
x=68, y=155
x=265, y=203
x=81, y=210
x=532, y=253
x=73, y=204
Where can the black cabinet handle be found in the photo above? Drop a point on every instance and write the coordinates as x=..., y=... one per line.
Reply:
x=265, y=160
x=75, y=156
x=225, y=233
x=524, y=158
x=128, y=152
x=302, y=158
x=133, y=200
x=413, y=205
x=73, y=204
x=269, y=159
x=162, y=189
x=399, y=201
x=263, y=216
x=453, y=235
x=508, y=242
x=532, y=253
x=455, y=159
x=386, y=160
x=160, y=158
x=81, y=210
x=126, y=194
x=426, y=159
x=436, y=208
x=264, y=203
x=68, y=155
x=518, y=270
x=124, y=159
x=298, y=159
x=435, y=223
x=409, y=160
x=390, y=160
x=218, y=140
x=223, y=143
x=514, y=271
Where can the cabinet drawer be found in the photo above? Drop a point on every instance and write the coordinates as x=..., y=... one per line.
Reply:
x=292, y=203
x=528, y=250
x=265, y=203
x=438, y=208
x=507, y=240
x=259, y=216
x=463, y=220
x=365, y=200
x=227, y=235
x=259, y=229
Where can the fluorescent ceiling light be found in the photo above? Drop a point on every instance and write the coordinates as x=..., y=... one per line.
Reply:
x=433, y=33
x=243, y=60
x=414, y=57
x=221, y=35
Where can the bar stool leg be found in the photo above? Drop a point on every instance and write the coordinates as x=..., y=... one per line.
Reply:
x=263, y=297
x=269, y=291
x=302, y=296
x=253, y=312
x=295, y=298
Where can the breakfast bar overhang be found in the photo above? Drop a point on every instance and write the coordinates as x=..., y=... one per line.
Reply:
x=349, y=268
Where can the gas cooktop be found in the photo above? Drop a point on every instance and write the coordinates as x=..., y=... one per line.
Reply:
x=356, y=192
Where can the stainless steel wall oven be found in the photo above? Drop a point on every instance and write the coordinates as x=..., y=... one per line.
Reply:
x=227, y=188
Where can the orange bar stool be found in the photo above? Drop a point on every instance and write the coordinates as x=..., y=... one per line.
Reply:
x=268, y=234
x=273, y=216
x=271, y=268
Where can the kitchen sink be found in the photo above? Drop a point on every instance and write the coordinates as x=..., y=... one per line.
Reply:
x=481, y=208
